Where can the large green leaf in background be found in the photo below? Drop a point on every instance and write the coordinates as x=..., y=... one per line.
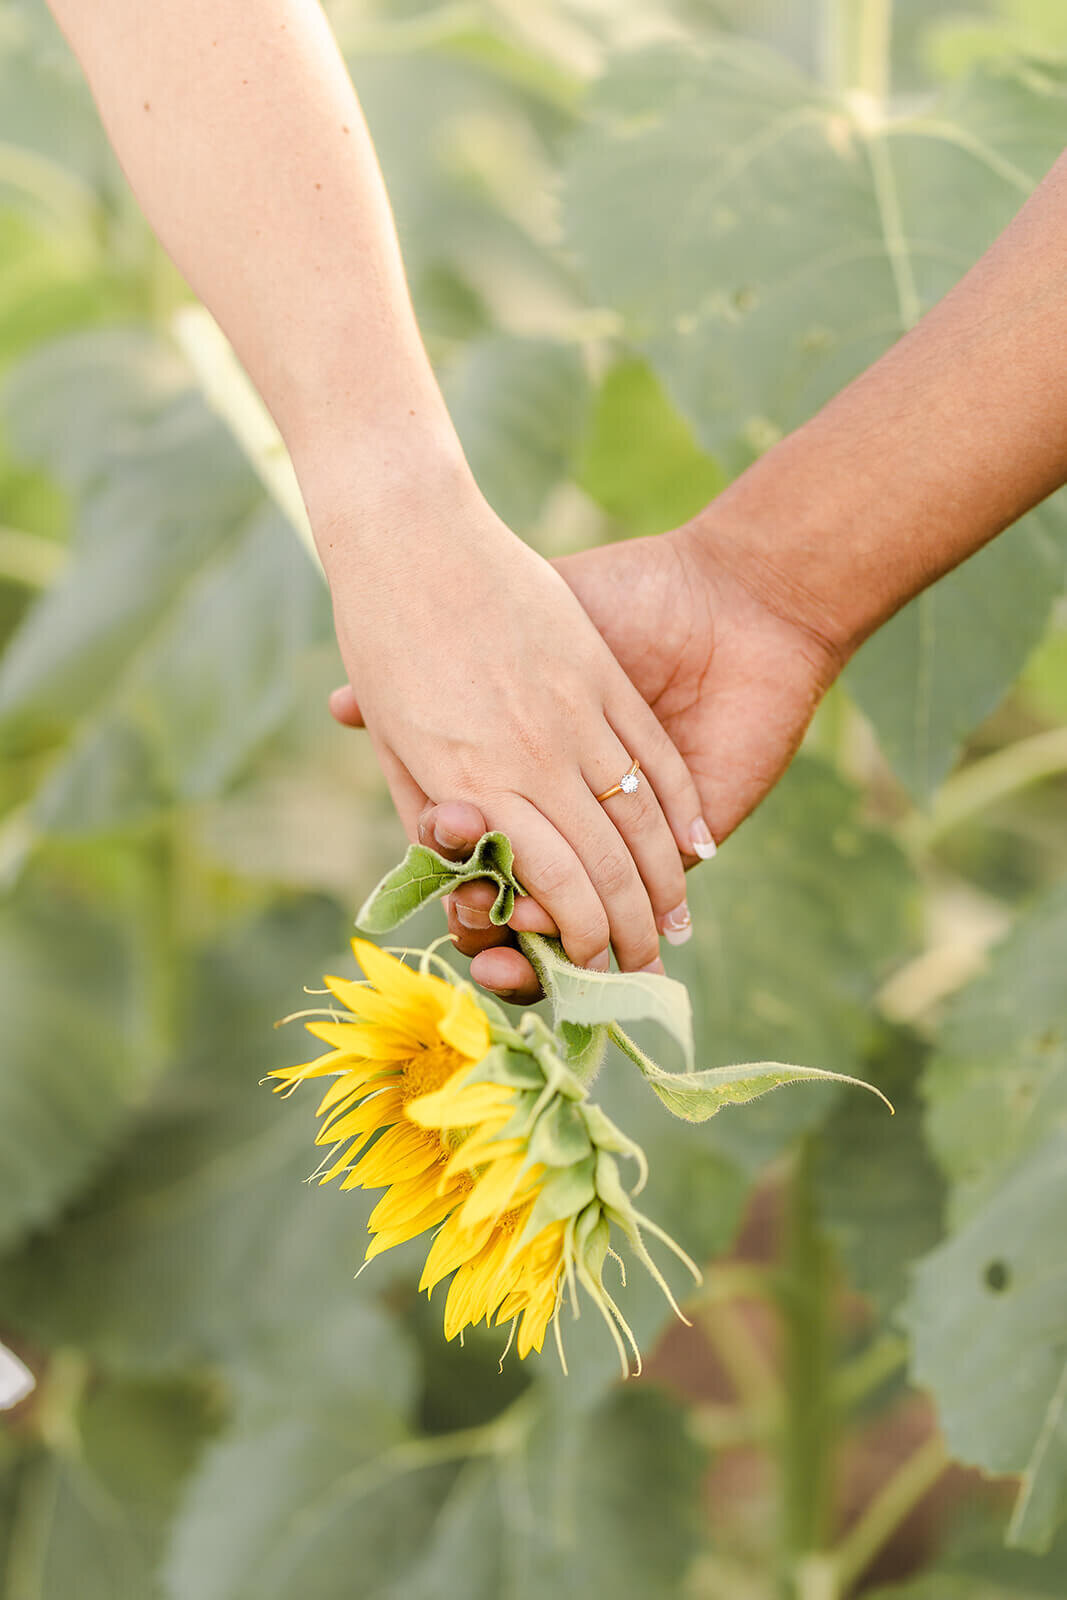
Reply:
x=518, y=406
x=764, y=242
x=77, y=1056
x=203, y=1244
x=988, y=1315
x=880, y=1194
x=795, y=920
x=165, y=652
x=539, y=1502
x=89, y=1517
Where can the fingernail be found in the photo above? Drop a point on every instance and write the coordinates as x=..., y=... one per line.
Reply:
x=654, y=966
x=677, y=925
x=600, y=963
x=448, y=841
x=468, y=917
x=701, y=840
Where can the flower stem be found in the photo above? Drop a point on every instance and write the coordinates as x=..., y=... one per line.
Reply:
x=808, y=1437
x=984, y=782
x=855, y=41
x=895, y=1501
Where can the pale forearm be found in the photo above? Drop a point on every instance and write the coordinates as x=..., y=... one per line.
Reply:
x=957, y=431
x=241, y=135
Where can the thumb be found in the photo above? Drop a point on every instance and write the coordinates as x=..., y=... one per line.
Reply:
x=344, y=707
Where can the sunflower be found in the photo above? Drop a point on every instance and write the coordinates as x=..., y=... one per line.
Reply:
x=402, y=1115
x=480, y=1132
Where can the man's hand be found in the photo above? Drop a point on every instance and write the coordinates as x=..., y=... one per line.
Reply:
x=733, y=683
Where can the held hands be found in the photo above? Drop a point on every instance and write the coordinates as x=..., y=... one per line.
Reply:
x=731, y=676
x=483, y=679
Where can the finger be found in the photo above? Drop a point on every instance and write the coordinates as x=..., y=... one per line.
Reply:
x=408, y=798
x=468, y=919
x=610, y=869
x=452, y=828
x=344, y=707
x=644, y=831
x=549, y=868
x=507, y=973
x=473, y=901
x=666, y=770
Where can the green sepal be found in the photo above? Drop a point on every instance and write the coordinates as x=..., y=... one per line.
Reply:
x=584, y=1047
x=424, y=875
x=569, y=1191
x=606, y=1136
x=560, y=1137
x=512, y=1069
x=696, y=1096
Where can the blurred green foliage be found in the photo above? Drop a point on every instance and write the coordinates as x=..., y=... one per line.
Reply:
x=643, y=240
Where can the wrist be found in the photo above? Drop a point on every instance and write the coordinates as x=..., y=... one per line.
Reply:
x=816, y=539
x=385, y=489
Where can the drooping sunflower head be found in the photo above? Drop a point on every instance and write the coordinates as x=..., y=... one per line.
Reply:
x=473, y=1129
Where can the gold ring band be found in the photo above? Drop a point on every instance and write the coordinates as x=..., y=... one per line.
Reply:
x=624, y=786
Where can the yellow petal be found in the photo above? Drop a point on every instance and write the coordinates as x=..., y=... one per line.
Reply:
x=401, y=1152
x=452, y=1247
x=456, y=1106
x=495, y=1191
x=424, y=997
x=380, y=1011
x=366, y=1039
x=465, y=1026
x=400, y=1232
x=379, y=1111
x=403, y=1201
x=477, y=1150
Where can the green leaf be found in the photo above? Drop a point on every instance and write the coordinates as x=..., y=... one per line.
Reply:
x=547, y=1499
x=165, y=654
x=639, y=459
x=203, y=1244
x=797, y=921
x=424, y=875
x=92, y=1521
x=76, y=1061
x=987, y=1320
x=764, y=242
x=998, y=1079
x=943, y=663
x=879, y=1192
x=696, y=1096
x=990, y=1306
x=591, y=998
x=518, y=406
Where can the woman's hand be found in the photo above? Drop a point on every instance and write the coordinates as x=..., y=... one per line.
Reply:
x=730, y=679
x=483, y=679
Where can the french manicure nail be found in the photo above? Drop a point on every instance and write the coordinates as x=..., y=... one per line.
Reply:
x=468, y=917
x=600, y=962
x=678, y=925
x=654, y=966
x=701, y=840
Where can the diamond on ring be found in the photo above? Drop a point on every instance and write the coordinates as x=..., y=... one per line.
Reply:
x=627, y=784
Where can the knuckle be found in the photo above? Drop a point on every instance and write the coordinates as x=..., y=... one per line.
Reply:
x=587, y=936
x=546, y=880
x=613, y=873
